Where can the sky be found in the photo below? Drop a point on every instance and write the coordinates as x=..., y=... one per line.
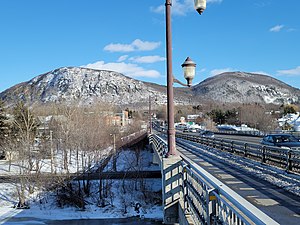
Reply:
x=128, y=36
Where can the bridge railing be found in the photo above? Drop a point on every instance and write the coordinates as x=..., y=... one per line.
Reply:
x=205, y=199
x=159, y=145
x=242, y=133
x=287, y=159
x=256, y=133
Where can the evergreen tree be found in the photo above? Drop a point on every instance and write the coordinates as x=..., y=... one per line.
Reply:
x=218, y=116
x=290, y=109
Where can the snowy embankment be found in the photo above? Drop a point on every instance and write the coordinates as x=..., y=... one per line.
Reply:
x=124, y=200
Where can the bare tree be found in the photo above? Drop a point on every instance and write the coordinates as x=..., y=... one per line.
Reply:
x=256, y=116
x=23, y=136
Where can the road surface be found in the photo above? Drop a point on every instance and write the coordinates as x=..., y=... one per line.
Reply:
x=277, y=203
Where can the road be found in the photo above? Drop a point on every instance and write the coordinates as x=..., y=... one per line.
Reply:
x=248, y=139
x=279, y=204
x=242, y=138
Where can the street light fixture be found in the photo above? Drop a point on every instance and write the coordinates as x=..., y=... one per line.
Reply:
x=188, y=66
x=200, y=6
x=189, y=70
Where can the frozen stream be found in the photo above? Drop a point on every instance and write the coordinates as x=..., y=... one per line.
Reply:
x=126, y=221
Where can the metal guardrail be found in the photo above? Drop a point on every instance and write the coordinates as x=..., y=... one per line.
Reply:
x=287, y=159
x=257, y=133
x=159, y=145
x=242, y=133
x=206, y=199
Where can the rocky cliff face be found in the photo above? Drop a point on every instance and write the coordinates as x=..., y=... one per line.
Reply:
x=85, y=86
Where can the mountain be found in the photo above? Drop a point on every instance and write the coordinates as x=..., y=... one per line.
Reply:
x=74, y=84
x=69, y=84
x=244, y=87
x=83, y=85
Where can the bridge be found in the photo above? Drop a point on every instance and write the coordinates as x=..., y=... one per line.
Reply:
x=210, y=181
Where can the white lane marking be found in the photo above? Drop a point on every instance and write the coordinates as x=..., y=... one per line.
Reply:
x=225, y=176
x=247, y=189
x=234, y=182
x=263, y=201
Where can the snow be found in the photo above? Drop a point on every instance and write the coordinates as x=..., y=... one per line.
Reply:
x=44, y=206
x=291, y=118
x=71, y=83
x=269, y=99
x=229, y=127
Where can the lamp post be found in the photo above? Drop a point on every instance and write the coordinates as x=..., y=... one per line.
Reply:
x=114, y=152
x=150, y=116
x=200, y=6
x=51, y=151
x=151, y=112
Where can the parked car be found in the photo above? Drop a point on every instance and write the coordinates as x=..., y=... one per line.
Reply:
x=207, y=133
x=281, y=140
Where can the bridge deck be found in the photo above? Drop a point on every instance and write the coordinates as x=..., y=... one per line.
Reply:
x=279, y=204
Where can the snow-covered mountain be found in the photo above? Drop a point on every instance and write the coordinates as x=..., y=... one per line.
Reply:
x=244, y=87
x=73, y=84
x=82, y=85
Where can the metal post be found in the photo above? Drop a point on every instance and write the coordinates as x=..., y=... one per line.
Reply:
x=114, y=154
x=170, y=95
x=51, y=151
x=289, y=165
x=150, y=117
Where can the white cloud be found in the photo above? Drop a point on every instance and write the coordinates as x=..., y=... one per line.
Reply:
x=136, y=45
x=145, y=45
x=122, y=58
x=178, y=7
x=276, y=28
x=261, y=72
x=119, y=48
x=290, y=72
x=147, y=59
x=181, y=7
x=202, y=70
x=219, y=71
x=128, y=69
x=261, y=4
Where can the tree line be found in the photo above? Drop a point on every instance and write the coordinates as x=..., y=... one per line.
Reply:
x=55, y=139
x=259, y=116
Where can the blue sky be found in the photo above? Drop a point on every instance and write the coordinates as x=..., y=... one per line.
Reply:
x=128, y=36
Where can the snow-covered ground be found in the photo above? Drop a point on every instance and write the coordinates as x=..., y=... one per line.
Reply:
x=124, y=202
x=292, y=119
x=44, y=205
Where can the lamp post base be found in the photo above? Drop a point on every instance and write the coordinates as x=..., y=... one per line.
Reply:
x=171, y=142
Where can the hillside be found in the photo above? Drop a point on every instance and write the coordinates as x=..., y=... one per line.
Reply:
x=244, y=87
x=86, y=86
